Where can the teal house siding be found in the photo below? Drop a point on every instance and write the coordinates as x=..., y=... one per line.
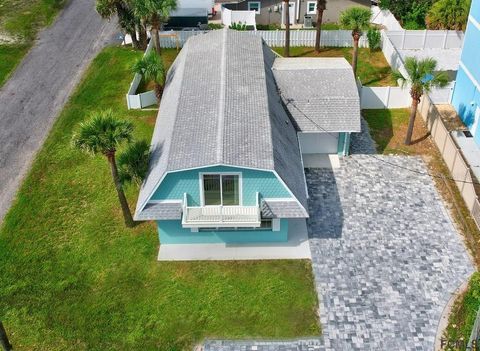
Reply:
x=343, y=144
x=172, y=232
x=176, y=184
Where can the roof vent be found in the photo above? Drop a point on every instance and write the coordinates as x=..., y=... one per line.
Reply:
x=467, y=134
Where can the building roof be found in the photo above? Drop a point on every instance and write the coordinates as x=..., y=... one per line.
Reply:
x=320, y=93
x=220, y=106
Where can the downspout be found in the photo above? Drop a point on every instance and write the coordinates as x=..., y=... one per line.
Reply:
x=298, y=11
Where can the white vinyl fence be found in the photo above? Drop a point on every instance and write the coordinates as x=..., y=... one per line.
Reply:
x=385, y=18
x=134, y=100
x=426, y=39
x=244, y=17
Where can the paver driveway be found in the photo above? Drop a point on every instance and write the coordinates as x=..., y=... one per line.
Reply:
x=384, y=252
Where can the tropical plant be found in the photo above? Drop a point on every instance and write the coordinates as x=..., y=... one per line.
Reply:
x=133, y=162
x=126, y=19
x=238, y=26
x=152, y=69
x=286, y=6
x=448, y=14
x=102, y=134
x=410, y=12
x=154, y=13
x=374, y=39
x=422, y=77
x=356, y=19
x=321, y=6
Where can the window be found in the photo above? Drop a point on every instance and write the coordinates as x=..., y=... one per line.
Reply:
x=221, y=189
x=254, y=6
x=311, y=7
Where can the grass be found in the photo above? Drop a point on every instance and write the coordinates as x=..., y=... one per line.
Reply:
x=373, y=69
x=74, y=278
x=465, y=310
x=20, y=21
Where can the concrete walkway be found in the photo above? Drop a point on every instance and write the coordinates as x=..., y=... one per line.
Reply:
x=35, y=94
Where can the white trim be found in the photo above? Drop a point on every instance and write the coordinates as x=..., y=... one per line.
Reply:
x=470, y=75
x=314, y=12
x=240, y=187
x=257, y=12
x=170, y=201
x=474, y=21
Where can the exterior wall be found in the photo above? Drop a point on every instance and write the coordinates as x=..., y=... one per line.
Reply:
x=177, y=183
x=171, y=232
x=466, y=95
x=318, y=142
x=268, y=15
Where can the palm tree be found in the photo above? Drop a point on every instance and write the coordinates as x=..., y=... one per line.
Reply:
x=286, y=5
x=152, y=69
x=103, y=134
x=107, y=8
x=133, y=162
x=356, y=19
x=154, y=13
x=421, y=79
x=321, y=6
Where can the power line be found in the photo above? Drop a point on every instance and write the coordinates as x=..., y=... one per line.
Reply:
x=439, y=176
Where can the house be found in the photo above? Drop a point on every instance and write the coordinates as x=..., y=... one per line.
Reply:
x=190, y=13
x=226, y=163
x=271, y=11
x=466, y=94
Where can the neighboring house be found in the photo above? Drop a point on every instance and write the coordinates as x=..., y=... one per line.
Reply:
x=190, y=13
x=466, y=94
x=226, y=164
x=271, y=11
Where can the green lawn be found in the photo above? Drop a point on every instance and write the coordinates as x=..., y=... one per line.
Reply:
x=373, y=69
x=74, y=278
x=20, y=20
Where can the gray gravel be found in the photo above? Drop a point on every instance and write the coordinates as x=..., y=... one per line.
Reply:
x=33, y=97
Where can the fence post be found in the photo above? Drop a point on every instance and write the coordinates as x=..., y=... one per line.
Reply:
x=424, y=38
x=403, y=39
x=444, y=45
x=387, y=97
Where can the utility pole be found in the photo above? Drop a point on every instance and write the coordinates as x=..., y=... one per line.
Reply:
x=4, y=343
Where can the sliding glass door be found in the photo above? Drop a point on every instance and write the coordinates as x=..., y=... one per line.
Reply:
x=221, y=189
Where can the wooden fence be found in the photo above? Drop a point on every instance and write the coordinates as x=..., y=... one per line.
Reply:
x=459, y=169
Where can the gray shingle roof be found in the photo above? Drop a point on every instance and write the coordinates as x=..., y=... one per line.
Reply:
x=221, y=106
x=282, y=209
x=161, y=211
x=322, y=90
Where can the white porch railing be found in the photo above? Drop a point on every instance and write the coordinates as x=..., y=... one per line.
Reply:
x=220, y=216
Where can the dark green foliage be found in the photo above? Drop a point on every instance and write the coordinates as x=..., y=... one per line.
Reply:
x=410, y=12
x=448, y=14
x=215, y=26
x=374, y=39
x=133, y=162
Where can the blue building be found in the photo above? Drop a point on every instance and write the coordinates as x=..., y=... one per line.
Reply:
x=232, y=135
x=466, y=95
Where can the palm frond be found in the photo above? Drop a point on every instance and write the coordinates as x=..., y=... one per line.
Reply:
x=133, y=162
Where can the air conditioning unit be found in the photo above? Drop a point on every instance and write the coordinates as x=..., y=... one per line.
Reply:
x=307, y=21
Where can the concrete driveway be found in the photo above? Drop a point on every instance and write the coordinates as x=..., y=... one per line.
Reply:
x=385, y=255
x=33, y=97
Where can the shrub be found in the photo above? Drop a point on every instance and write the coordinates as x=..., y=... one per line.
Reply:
x=215, y=26
x=410, y=12
x=238, y=26
x=448, y=14
x=374, y=39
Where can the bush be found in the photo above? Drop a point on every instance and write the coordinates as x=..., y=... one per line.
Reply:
x=272, y=26
x=410, y=12
x=238, y=26
x=374, y=39
x=215, y=26
x=448, y=14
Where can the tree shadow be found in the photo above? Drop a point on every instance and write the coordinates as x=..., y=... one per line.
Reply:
x=419, y=140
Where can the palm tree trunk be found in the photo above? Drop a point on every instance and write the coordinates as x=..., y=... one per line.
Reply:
x=155, y=35
x=143, y=39
x=4, y=343
x=411, y=123
x=158, y=91
x=356, y=39
x=135, y=42
x=319, y=27
x=127, y=215
x=286, y=52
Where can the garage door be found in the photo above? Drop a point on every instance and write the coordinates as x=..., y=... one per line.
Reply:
x=318, y=143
